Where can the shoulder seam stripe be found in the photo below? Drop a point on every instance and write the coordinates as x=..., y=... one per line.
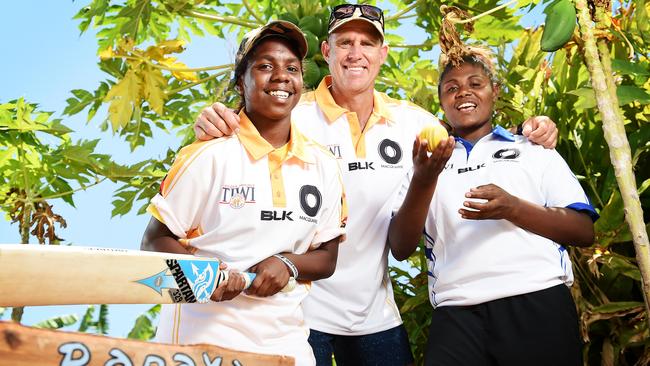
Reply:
x=192, y=156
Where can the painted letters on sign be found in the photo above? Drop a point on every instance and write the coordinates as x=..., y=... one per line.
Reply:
x=26, y=346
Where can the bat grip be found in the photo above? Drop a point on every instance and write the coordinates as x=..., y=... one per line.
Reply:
x=249, y=277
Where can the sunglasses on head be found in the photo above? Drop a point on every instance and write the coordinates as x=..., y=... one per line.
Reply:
x=369, y=12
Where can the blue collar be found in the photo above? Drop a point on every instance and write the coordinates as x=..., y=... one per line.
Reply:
x=503, y=133
x=497, y=132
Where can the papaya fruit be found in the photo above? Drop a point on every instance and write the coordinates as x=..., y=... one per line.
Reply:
x=324, y=70
x=312, y=24
x=313, y=44
x=289, y=17
x=559, y=25
x=311, y=75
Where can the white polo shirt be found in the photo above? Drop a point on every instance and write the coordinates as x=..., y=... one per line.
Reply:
x=358, y=298
x=474, y=261
x=240, y=200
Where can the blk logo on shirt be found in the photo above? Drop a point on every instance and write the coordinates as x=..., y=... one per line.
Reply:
x=275, y=215
x=360, y=165
x=471, y=168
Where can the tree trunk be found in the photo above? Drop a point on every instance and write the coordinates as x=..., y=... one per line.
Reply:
x=17, y=312
x=619, y=147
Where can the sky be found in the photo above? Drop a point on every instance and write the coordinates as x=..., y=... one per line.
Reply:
x=44, y=58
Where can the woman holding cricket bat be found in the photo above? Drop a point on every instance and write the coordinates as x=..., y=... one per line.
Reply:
x=267, y=200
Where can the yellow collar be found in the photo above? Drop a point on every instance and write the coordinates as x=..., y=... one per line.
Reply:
x=258, y=147
x=333, y=111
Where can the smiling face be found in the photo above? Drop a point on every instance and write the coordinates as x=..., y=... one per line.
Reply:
x=355, y=53
x=272, y=82
x=467, y=97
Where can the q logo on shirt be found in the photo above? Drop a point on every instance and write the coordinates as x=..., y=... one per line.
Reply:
x=390, y=151
x=310, y=200
x=507, y=154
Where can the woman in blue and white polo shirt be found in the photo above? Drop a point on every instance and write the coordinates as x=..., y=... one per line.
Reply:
x=497, y=213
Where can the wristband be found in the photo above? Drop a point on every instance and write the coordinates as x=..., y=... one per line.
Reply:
x=292, y=267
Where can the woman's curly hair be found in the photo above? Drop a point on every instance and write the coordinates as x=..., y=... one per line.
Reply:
x=474, y=55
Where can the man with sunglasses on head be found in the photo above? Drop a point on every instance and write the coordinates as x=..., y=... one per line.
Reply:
x=353, y=314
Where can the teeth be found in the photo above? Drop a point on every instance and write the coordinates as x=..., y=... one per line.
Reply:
x=466, y=105
x=279, y=94
x=355, y=68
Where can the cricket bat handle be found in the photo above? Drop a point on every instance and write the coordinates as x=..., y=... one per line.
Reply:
x=249, y=277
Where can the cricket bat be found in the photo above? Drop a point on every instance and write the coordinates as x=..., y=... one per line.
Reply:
x=62, y=275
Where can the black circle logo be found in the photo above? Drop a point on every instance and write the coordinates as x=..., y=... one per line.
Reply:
x=310, y=200
x=506, y=154
x=390, y=151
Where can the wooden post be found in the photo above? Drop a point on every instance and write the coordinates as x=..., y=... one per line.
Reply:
x=26, y=346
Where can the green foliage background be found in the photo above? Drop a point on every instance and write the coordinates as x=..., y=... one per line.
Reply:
x=141, y=42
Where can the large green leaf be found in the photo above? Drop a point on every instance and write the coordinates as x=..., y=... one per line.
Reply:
x=631, y=93
x=614, y=307
x=137, y=15
x=57, y=322
x=625, y=93
x=611, y=226
x=629, y=68
x=144, y=328
x=586, y=98
x=623, y=266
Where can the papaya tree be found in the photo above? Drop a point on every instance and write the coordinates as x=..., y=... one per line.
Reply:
x=596, y=17
x=41, y=163
x=607, y=285
x=598, y=60
x=610, y=287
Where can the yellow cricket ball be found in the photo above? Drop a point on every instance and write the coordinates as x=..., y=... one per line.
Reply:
x=433, y=133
